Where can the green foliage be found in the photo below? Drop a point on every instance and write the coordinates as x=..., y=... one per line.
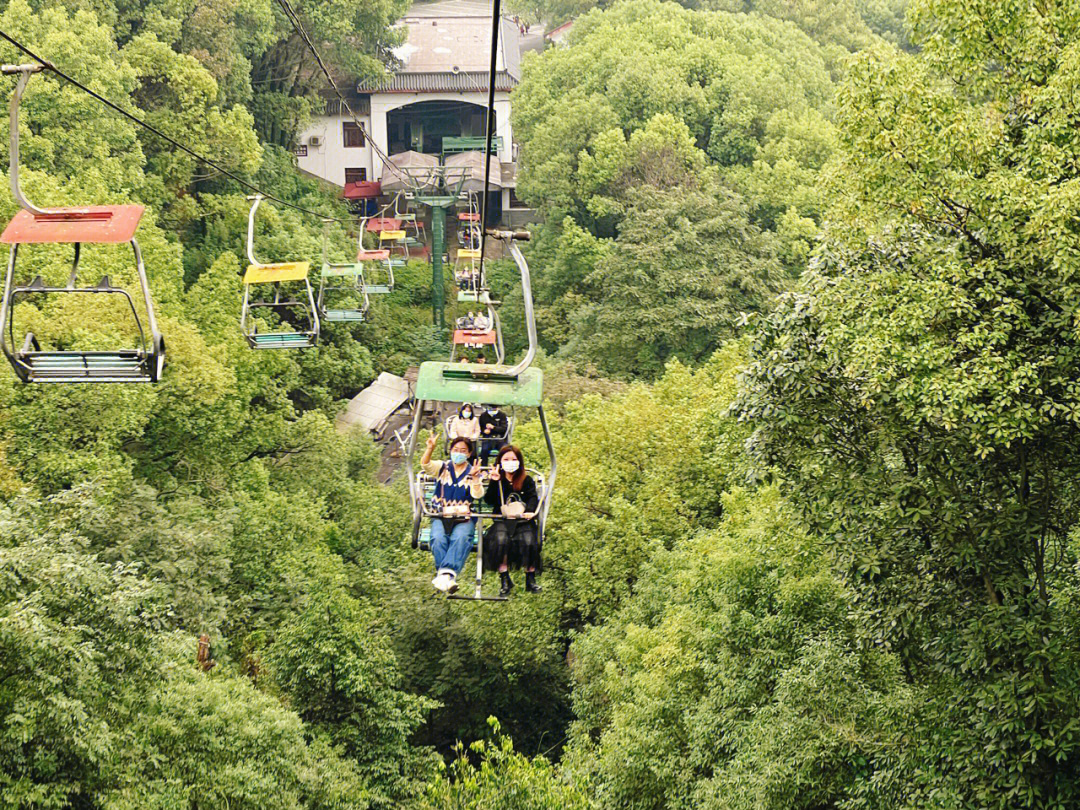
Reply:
x=504, y=779
x=98, y=706
x=662, y=147
x=732, y=678
x=919, y=395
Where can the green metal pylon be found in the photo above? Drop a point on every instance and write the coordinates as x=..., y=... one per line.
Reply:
x=438, y=247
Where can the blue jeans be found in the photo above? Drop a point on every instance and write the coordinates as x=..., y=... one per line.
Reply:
x=488, y=448
x=452, y=551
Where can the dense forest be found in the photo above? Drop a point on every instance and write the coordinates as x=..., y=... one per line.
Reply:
x=807, y=277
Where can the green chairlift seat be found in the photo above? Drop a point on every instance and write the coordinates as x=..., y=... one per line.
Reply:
x=343, y=280
x=482, y=297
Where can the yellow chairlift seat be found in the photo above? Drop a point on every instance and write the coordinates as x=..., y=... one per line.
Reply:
x=294, y=304
x=273, y=273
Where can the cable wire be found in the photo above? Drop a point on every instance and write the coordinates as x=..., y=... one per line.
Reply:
x=298, y=26
x=151, y=128
x=496, y=20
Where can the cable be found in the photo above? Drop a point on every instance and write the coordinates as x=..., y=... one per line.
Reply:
x=496, y=24
x=151, y=128
x=298, y=26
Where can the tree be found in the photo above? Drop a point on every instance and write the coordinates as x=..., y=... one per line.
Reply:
x=658, y=147
x=503, y=778
x=919, y=395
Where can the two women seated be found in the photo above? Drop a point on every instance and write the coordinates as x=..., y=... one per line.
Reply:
x=508, y=492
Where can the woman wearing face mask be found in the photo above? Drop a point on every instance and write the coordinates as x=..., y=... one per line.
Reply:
x=512, y=539
x=465, y=424
x=457, y=484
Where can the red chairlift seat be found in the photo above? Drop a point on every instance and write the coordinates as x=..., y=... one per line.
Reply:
x=97, y=224
x=372, y=255
x=468, y=337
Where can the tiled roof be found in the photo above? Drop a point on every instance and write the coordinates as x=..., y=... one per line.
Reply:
x=440, y=82
x=451, y=54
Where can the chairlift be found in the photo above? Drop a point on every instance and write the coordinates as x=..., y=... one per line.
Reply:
x=517, y=386
x=341, y=281
x=97, y=224
x=476, y=338
x=372, y=260
x=285, y=279
x=395, y=240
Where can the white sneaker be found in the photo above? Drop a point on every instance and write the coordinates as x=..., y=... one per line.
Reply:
x=452, y=583
x=441, y=581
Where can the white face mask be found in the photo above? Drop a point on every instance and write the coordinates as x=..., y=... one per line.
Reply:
x=466, y=414
x=510, y=465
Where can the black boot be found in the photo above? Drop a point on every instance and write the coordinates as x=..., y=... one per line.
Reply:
x=506, y=583
x=530, y=582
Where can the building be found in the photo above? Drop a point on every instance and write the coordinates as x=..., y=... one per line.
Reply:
x=558, y=35
x=434, y=102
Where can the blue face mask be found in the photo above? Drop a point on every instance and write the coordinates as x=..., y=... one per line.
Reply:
x=458, y=458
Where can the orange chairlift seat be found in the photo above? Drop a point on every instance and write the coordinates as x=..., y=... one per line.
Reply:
x=97, y=224
x=372, y=259
x=471, y=337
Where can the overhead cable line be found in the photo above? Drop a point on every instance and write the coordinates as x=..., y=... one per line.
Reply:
x=47, y=65
x=496, y=20
x=298, y=26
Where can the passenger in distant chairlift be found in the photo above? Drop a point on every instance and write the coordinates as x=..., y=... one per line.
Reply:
x=513, y=539
x=465, y=424
x=481, y=359
x=493, y=428
x=457, y=485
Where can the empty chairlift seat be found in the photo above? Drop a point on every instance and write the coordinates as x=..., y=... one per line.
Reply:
x=343, y=281
x=378, y=271
x=114, y=224
x=274, y=276
x=292, y=299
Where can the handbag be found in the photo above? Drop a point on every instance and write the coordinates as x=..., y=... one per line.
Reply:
x=513, y=507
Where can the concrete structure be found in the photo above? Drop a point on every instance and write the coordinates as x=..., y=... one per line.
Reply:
x=558, y=35
x=372, y=407
x=438, y=90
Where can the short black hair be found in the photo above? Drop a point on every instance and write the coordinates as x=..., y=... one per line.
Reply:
x=468, y=443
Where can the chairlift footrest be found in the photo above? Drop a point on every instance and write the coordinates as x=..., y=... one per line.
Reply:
x=74, y=367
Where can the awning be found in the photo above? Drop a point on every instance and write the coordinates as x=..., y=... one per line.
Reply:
x=421, y=170
x=362, y=191
x=472, y=164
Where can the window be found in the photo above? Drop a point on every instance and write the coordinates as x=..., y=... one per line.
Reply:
x=355, y=175
x=515, y=201
x=353, y=135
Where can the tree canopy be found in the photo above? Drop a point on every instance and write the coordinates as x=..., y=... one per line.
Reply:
x=805, y=278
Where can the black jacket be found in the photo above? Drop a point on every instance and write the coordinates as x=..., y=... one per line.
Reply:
x=528, y=494
x=498, y=424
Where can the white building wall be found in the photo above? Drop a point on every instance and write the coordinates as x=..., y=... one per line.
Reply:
x=330, y=159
